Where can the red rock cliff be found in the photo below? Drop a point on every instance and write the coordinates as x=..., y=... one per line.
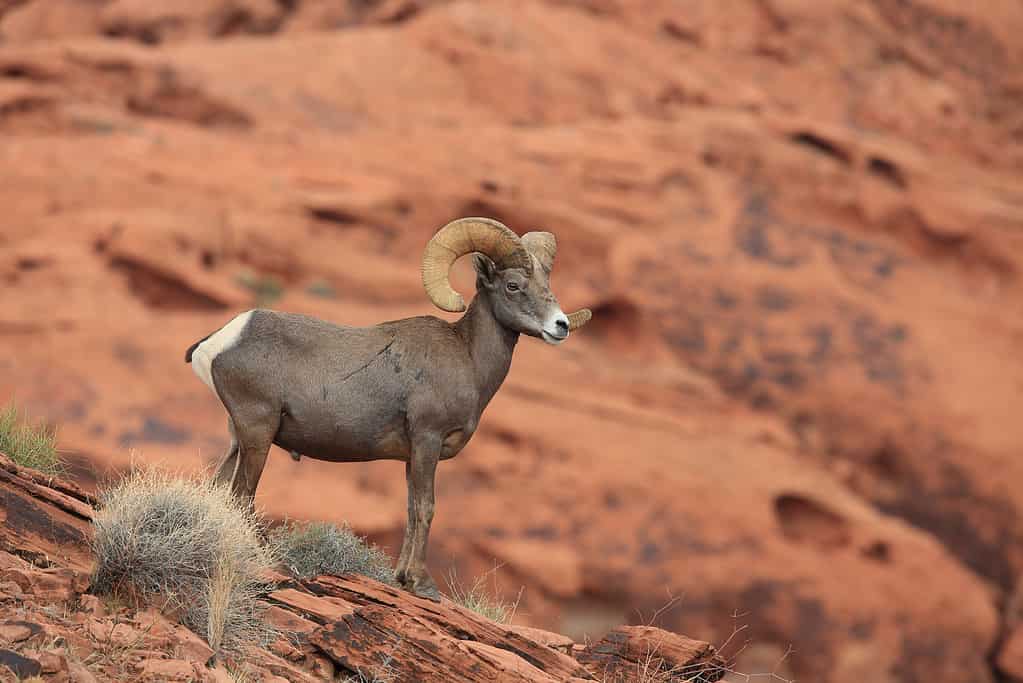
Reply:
x=800, y=225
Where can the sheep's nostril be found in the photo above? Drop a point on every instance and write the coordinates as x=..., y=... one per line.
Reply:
x=562, y=326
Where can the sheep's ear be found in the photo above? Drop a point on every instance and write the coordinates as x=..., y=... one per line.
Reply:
x=486, y=270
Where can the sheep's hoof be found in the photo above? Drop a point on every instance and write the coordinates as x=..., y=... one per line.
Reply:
x=423, y=587
x=429, y=592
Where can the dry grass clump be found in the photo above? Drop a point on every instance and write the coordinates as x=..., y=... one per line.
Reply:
x=475, y=597
x=189, y=543
x=321, y=548
x=28, y=445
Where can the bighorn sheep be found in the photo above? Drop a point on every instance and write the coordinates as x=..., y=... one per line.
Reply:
x=410, y=390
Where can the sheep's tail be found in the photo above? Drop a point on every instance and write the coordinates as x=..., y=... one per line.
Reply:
x=193, y=347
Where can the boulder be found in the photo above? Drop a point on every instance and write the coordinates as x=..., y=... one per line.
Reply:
x=631, y=652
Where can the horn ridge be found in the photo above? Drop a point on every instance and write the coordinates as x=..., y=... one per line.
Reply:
x=579, y=318
x=464, y=236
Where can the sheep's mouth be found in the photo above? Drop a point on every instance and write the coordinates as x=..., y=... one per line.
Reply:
x=551, y=339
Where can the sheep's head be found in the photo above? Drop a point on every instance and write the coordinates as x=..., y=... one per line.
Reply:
x=514, y=272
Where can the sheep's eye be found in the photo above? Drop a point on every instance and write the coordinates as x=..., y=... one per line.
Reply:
x=513, y=287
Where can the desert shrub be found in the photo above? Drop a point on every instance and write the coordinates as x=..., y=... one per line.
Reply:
x=187, y=542
x=475, y=597
x=321, y=289
x=28, y=445
x=322, y=548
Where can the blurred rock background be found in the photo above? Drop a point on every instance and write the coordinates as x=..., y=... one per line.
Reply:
x=799, y=224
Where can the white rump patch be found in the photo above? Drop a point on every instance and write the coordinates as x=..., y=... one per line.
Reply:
x=218, y=342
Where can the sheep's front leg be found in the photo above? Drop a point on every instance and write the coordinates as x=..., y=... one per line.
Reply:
x=424, y=469
x=401, y=570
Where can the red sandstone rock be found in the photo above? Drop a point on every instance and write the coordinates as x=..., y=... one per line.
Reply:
x=628, y=651
x=14, y=632
x=433, y=642
x=114, y=633
x=22, y=578
x=58, y=584
x=553, y=640
x=328, y=609
x=80, y=674
x=191, y=647
x=268, y=665
x=798, y=223
x=287, y=620
x=52, y=663
x=166, y=670
x=219, y=674
x=1010, y=657
x=90, y=604
x=322, y=667
x=151, y=23
x=12, y=663
x=283, y=648
x=44, y=20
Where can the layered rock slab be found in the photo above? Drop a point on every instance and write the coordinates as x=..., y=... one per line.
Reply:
x=328, y=626
x=797, y=222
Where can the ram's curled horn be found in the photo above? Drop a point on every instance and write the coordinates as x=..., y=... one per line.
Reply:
x=579, y=318
x=543, y=246
x=464, y=236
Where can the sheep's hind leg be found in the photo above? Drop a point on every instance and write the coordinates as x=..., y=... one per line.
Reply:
x=228, y=467
x=255, y=426
x=254, y=445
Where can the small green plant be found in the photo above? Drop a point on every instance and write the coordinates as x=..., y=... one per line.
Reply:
x=323, y=548
x=475, y=597
x=321, y=289
x=28, y=445
x=265, y=288
x=190, y=544
x=95, y=125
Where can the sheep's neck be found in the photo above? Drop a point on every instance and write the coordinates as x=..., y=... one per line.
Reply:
x=490, y=346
